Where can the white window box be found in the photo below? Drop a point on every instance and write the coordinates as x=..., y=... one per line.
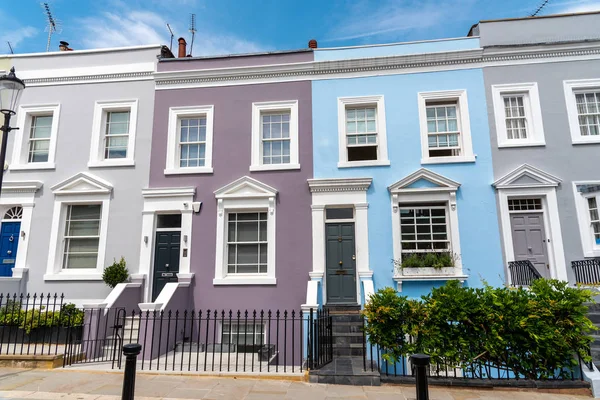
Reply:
x=275, y=144
x=185, y=142
x=362, y=134
x=102, y=152
x=445, y=127
x=579, y=96
x=27, y=134
x=518, y=115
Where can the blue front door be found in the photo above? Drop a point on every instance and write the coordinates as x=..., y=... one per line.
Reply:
x=9, y=240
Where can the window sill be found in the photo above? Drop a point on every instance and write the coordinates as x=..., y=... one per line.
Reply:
x=591, y=253
x=191, y=170
x=111, y=163
x=73, y=277
x=32, y=166
x=276, y=167
x=422, y=278
x=448, y=160
x=246, y=280
x=509, y=144
x=352, y=164
x=586, y=141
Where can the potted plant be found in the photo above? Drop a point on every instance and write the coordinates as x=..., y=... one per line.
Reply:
x=431, y=263
x=115, y=273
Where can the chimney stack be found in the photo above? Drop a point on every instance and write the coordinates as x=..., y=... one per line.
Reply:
x=64, y=46
x=182, y=47
x=312, y=44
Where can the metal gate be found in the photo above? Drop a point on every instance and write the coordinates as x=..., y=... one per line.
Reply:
x=99, y=338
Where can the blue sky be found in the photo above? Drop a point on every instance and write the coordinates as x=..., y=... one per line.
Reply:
x=238, y=26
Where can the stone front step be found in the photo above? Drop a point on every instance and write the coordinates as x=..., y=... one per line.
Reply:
x=346, y=371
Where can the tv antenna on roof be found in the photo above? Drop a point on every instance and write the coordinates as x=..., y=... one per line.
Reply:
x=540, y=8
x=193, y=30
x=172, y=35
x=10, y=47
x=53, y=24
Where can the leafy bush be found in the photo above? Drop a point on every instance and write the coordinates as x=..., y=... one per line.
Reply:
x=11, y=314
x=116, y=273
x=533, y=333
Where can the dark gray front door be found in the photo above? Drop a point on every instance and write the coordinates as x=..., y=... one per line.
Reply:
x=340, y=263
x=166, y=260
x=529, y=240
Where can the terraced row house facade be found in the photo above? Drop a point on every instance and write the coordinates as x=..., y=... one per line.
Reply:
x=304, y=178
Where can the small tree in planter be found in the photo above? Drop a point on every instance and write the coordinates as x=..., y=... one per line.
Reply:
x=116, y=273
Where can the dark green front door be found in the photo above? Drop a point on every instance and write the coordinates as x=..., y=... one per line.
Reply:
x=340, y=263
x=166, y=260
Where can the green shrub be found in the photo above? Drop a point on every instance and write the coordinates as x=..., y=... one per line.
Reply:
x=534, y=333
x=412, y=261
x=430, y=260
x=13, y=315
x=116, y=273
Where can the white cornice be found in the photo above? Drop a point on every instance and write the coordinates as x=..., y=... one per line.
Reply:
x=537, y=177
x=169, y=192
x=339, y=185
x=21, y=186
x=386, y=65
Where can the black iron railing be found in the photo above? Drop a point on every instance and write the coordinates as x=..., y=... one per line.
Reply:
x=522, y=273
x=172, y=340
x=587, y=272
x=320, y=339
x=38, y=324
x=477, y=369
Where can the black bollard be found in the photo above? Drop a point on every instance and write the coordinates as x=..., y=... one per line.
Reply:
x=421, y=362
x=131, y=352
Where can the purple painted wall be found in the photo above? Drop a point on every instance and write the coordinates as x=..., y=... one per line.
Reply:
x=231, y=160
x=184, y=64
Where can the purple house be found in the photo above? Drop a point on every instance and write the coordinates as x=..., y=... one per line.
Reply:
x=227, y=217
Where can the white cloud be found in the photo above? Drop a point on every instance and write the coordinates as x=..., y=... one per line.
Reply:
x=572, y=6
x=582, y=8
x=139, y=27
x=17, y=35
x=391, y=19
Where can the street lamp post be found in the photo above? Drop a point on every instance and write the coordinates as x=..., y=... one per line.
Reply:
x=10, y=91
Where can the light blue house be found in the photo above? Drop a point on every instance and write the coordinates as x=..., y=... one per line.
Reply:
x=402, y=166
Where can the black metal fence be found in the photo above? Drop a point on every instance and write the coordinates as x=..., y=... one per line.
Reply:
x=173, y=340
x=320, y=349
x=38, y=324
x=522, y=273
x=478, y=369
x=587, y=272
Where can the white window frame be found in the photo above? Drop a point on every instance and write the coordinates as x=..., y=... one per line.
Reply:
x=101, y=109
x=570, y=87
x=245, y=195
x=80, y=189
x=273, y=106
x=21, y=146
x=590, y=248
x=382, y=150
x=175, y=116
x=533, y=114
x=460, y=97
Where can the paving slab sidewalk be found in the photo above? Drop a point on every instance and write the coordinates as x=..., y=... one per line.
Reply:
x=86, y=385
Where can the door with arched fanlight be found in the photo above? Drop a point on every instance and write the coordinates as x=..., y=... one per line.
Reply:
x=10, y=229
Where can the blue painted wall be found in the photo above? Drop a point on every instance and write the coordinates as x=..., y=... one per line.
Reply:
x=476, y=204
x=397, y=49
